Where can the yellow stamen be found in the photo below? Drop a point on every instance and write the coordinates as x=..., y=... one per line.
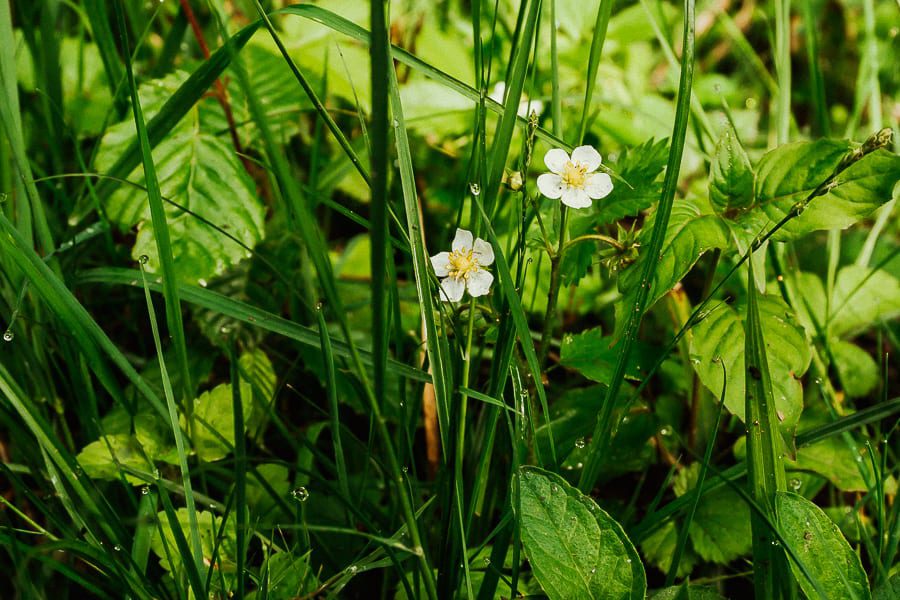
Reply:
x=573, y=175
x=462, y=263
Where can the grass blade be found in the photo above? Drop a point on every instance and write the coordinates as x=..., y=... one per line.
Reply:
x=160, y=227
x=606, y=425
x=764, y=450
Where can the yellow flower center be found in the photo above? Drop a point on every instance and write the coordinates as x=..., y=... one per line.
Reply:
x=462, y=263
x=573, y=175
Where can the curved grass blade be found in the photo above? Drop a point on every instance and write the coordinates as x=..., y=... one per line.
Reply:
x=160, y=224
x=606, y=426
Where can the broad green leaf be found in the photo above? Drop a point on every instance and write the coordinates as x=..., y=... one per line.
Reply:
x=213, y=422
x=576, y=550
x=818, y=543
x=789, y=173
x=832, y=457
x=889, y=590
x=289, y=577
x=262, y=505
x=591, y=354
x=862, y=297
x=689, y=592
x=257, y=386
x=858, y=371
x=730, y=177
x=210, y=529
x=659, y=548
x=640, y=169
x=692, y=231
x=720, y=530
x=197, y=170
x=721, y=334
x=102, y=459
x=572, y=418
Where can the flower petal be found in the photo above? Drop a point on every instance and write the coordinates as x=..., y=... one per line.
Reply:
x=452, y=289
x=550, y=185
x=441, y=264
x=479, y=282
x=462, y=241
x=588, y=157
x=576, y=198
x=556, y=160
x=526, y=107
x=598, y=185
x=483, y=252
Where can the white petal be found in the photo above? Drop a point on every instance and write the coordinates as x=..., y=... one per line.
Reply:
x=556, y=160
x=498, y=92
x=480, y=282
x=527, y=107
x=587, y=156
x=598, y=185
x=462, y=241
x=483, y=252
x=452, y=289
x=550, y=185
x=576, y=198
x=441, y=264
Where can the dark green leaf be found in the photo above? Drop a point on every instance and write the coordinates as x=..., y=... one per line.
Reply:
x=576, y=550
x=821, y=547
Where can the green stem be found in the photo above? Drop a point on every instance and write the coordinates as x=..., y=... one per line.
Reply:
x=555, y=281
x=459, y=488
x=783, y=69
x=596, y=237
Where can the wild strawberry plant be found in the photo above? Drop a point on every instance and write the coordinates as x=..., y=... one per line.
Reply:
x=449, y=300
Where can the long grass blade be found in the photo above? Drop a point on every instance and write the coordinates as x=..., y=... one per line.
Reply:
x=606, y=424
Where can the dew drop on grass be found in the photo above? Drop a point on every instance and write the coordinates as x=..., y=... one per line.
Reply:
x=300, y=494
x=352, y=569
x=579, y=443
x=475, y=189
x=144, y=259
x=487, y=561
x=795, y=484
x=8, y=336
x=145, y=490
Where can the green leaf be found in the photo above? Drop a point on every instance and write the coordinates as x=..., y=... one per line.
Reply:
x=640, y=169
x=99, y=459
x=819, y=544
x=832, y=457
x=210, y=527
x=721, y=334
x=690, y=592
x=659, y=548
x=730, y=177
x=789, y=173
x=720, y=530
x=257, y=387
x=692, y=231
x=862, y=297
x=858, y=371
x=576, y=549
x=591, y=354
x=213, y=423
x=889, y=590
x=200, y=172
x=289, y=577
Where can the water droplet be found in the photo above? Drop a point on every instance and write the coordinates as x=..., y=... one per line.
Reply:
x=487, y=561
x=144, y=259
x=145, y=490
x=8, y=336
x=579, y=443
x=352, y=569
x=202, y=283
x=320, y=305
x=405, y=469
x=554, y=488
x=117, y=548
x=300, y=494
x=665, y=431
x=475, y=189
x=796, y=484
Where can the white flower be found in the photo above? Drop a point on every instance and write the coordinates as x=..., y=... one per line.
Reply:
x=573, y=179
x=463, y=268
x=525, y=107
